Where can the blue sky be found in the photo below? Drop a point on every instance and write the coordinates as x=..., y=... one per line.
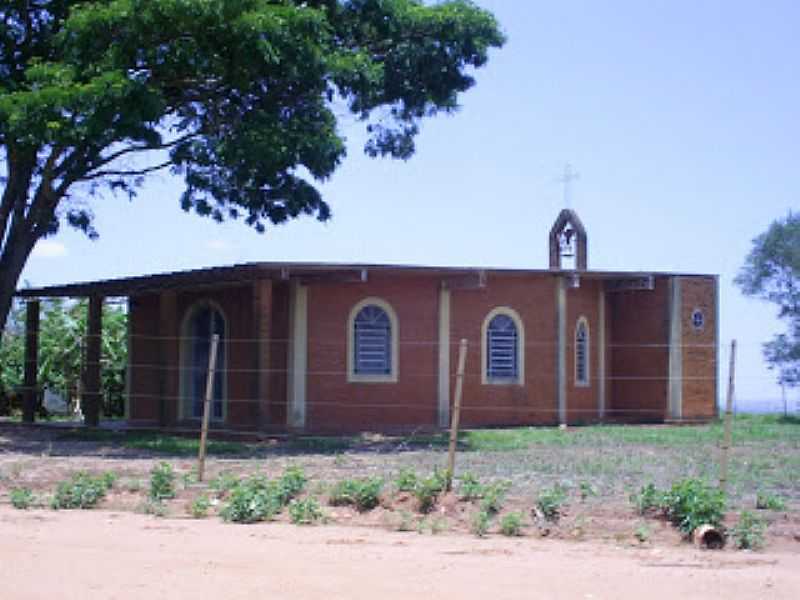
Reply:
x=681, y=118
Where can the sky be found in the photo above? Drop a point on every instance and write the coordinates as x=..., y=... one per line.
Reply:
x=681, y=118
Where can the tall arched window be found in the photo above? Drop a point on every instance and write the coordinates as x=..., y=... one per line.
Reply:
x=503, y=347
x=202, y=321
x=372, y=337
x=582, y=352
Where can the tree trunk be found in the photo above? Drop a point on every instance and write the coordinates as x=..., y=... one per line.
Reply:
x=16, y=249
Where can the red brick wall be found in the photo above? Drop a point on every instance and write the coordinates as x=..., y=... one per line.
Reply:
x=533, y=298
x=639, y=341
x=699, y=348
x=144, y=357
x=582, y=402
x=278, y=354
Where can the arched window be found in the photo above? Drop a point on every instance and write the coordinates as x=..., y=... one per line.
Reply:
x=372, y=352
x=503, y=347
x=582, y=352
x=201, y=322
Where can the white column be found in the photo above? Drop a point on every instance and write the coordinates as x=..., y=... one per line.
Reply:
x=298, y=356
x=675, y=373
x=444, y=357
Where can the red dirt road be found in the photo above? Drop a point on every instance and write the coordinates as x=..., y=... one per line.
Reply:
x=120, y=556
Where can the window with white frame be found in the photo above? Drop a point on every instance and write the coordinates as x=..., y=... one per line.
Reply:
x=372, y=352
x=503, y=347
x=582, y=352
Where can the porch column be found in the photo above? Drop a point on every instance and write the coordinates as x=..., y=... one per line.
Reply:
x=92, y=392
x=675, y=373
x=444, y=357
x=168, y=330
x=601, y=354
x=262, y=327
x=561, y=352
x=298, y=356
x=30, y=391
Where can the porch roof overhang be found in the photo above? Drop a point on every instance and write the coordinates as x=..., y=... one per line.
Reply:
x=308, y=273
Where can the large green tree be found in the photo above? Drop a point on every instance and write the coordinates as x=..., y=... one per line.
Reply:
x=239, y=97
x=772, y=272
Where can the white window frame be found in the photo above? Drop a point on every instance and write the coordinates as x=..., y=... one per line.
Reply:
x=514, y=316
x=392, y=376
x=587, y=382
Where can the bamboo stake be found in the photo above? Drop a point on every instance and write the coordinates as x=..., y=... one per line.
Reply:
x=212, y=363
x=726, y=444
x=451, y=454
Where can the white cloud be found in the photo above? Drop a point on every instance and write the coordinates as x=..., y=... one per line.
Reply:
x=49, y=249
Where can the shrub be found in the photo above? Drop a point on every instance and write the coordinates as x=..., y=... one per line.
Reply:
x=469, y=487
x=406, y=480
x=21, y=498
x=200, y=507
x=647, y=499
x=480, y=523
x=511, y=524
x=251, y=500
x=364, y=494
x=162, y=482
x=493, y=496
x=767, y=501
x=81, y=491
x=748, y=534
x=642, y=533
x=691, y=503
x=290, y=484
x=427, y=490
x=223, y=483
x=305, y=512
x=550, y=502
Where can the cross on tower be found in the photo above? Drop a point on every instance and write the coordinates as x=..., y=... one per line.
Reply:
x=568, y=177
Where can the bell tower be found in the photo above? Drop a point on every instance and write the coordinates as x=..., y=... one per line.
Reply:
x=568, y=243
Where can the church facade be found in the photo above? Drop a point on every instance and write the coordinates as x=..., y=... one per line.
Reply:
x=343, y=348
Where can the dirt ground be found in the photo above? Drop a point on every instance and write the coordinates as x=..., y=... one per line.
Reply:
x=120, y=556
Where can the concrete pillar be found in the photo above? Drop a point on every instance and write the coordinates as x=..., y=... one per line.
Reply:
x=561, y=351
x=168, y=356
x=444, y=358
x=675, y=373
x=31, y=387
x=92, y=391
x=601, y=353
x=298, y=356
x=262, y=328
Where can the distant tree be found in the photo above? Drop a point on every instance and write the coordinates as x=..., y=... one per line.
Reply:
x=240, y=97
x=772, y=272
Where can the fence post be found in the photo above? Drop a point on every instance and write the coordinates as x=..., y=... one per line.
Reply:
x=451, y=454
x=726, y=443
x=212, y=363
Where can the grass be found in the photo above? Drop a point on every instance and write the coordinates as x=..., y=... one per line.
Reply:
x=155, y=442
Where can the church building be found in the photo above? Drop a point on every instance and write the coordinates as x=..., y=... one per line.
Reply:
x=358, y=347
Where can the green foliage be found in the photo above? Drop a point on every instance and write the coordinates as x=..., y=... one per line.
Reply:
x=82, y=490
x=480, y=523
x=642, y=533
x=259, y=499
x=550, y=502
x=223, y=483
x=772, y=272
x=748, y=534
x=511, y=524
x=200, y=506
x=767, y=501
x=406, y=480
x=648, y=499
x=691, y=502
x=470, y=487
x=493, y=496
x=162, y=482
x=428, y=489
x=363, y=494
x=306, y=511
x=21, y=498
x=587, y=490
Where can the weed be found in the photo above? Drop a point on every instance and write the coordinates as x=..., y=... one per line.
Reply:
x=305, y=512
x=200, y=507
x=155, y=508
x=550, y=502
x=767, y=501
x=427, y=490
x=438, y=525
x=162, y=482
x=587, y=490
x=493, y=496
x=405, y=522
x=470, y=487
x=363, y=494
x=191, y=477
x=81, y=491
x=480, y=523
x=692, y=502
x=511, y=524
x=648, y=499
x=21, y=498
x=642, y=533
x=406, y=480
x=223, y=483
x=748, y=534
x=133, y=485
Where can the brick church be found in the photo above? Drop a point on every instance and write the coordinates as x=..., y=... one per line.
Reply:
x=336, y=348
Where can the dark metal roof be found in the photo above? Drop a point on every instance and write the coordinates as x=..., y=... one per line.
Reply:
x=247, y=272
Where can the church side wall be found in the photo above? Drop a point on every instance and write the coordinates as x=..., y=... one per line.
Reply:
x=582, y=400
x=699, y=347
x=143, y=387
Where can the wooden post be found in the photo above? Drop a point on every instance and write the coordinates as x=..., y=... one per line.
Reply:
x=726, y=443
x=451, y=454
x=31, y=388
x=91, y=373
x=212, y=363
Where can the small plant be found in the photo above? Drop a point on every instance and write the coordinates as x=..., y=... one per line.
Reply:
x=81, y=491
x=405, y=521
x=406, y=480
x=155, y=508
x=305, y=512
x=438, y=525
x=767, y=501
x=133, y=485
x=162, y=482
x=427, y=490
x=191, y=477
x=587, y=490
x=642, y=533
x=223, y=483
x=110, y=479
x=480, y=523
x=470, y=487
x=493, y=497
x=290, y=484
x=511, y=524
x=252, y=500
x=550, y=502
x=21, y=498
x=748, y=534
x=648, y=499
x=363, y=494
x=200, y=507
x=692, y=502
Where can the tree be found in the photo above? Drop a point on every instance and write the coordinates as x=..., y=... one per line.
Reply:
x=772, y=272
x=239, y=97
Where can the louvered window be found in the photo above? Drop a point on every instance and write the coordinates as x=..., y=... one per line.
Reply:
x=582, y=353
x=372, y=345
x=502, y=356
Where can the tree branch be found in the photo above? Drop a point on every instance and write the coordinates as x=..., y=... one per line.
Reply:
x=135, y=173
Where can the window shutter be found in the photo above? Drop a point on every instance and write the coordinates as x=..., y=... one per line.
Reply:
x=373, y=342
x=502, y=348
